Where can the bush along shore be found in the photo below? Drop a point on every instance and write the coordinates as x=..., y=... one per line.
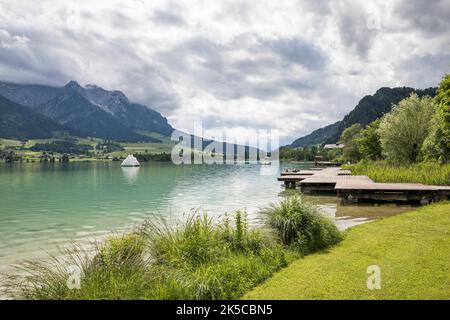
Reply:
x=198, y=258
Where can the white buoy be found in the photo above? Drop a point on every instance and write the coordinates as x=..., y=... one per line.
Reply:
x=130, y=161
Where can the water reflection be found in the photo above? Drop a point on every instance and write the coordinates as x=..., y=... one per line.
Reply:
x=130, y=174
x=270, y=170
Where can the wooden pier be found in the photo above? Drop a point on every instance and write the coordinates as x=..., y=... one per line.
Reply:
x=290, y=181
x=353, y=192
x=354, y=188
x=300, y=172
x=328, y=183
x=327, y=164
x=315, y=179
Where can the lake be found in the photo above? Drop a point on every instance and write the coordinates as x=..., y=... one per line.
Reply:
x=46, y=205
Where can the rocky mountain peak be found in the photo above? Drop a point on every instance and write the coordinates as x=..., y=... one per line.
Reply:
x=74, y=86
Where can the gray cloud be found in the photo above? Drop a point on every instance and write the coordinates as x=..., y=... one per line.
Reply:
x=430, y=17
x=169, y=18
x=352, y=23
x=321, y=7
x=23, y=61
x=265, y=73
x=234, y=64
x=432, y=65
x=299, y=52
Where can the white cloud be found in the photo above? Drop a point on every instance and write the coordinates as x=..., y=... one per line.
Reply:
x=290, y=65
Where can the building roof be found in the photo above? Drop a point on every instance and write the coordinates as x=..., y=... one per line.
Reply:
x=334, y=146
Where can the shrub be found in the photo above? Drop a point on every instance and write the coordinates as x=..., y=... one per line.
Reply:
x=349, y=138
x=368, y=141
x=301, y=226
x=228, y=278
x=194, y=241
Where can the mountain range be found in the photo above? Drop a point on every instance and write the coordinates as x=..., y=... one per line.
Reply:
x=89, y=111
x=38, y=111
x=368, y=109
x=20, y=122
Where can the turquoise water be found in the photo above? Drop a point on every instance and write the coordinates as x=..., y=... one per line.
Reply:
x=44, y=205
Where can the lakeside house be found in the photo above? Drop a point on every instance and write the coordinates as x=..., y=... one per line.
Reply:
x=334, y=146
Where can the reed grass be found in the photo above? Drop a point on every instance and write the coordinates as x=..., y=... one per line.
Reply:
x=299, y=225
x=431, y=173
x=198, y=258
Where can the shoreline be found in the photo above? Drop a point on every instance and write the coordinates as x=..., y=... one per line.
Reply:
x=409, y=269
x=342, y=223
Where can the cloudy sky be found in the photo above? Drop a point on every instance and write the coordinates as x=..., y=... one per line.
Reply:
x=290, y=65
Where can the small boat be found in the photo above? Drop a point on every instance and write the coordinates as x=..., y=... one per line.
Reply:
x=130, y=161
x=266, y=162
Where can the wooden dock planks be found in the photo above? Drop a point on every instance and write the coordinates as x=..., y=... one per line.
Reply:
x=353, y=192
x=300, y=172
x=335, y=179
x=349, y=184
x=353, y=188
x=296, y=177
x=328, y=182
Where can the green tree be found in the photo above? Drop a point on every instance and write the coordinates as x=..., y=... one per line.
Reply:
x=404, y=130
x=437, y=144
x=369, y=144
x=349, y=138
x=442, y=99
x=333, y=154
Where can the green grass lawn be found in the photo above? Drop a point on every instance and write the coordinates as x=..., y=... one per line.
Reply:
x=165, y=146
x=130, y=148
x=412, y=250
x=4, y=143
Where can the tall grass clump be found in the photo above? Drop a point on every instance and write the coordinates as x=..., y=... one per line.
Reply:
x=116, y=269
x=301, y=226
x=384, y=171
x=198, y=258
